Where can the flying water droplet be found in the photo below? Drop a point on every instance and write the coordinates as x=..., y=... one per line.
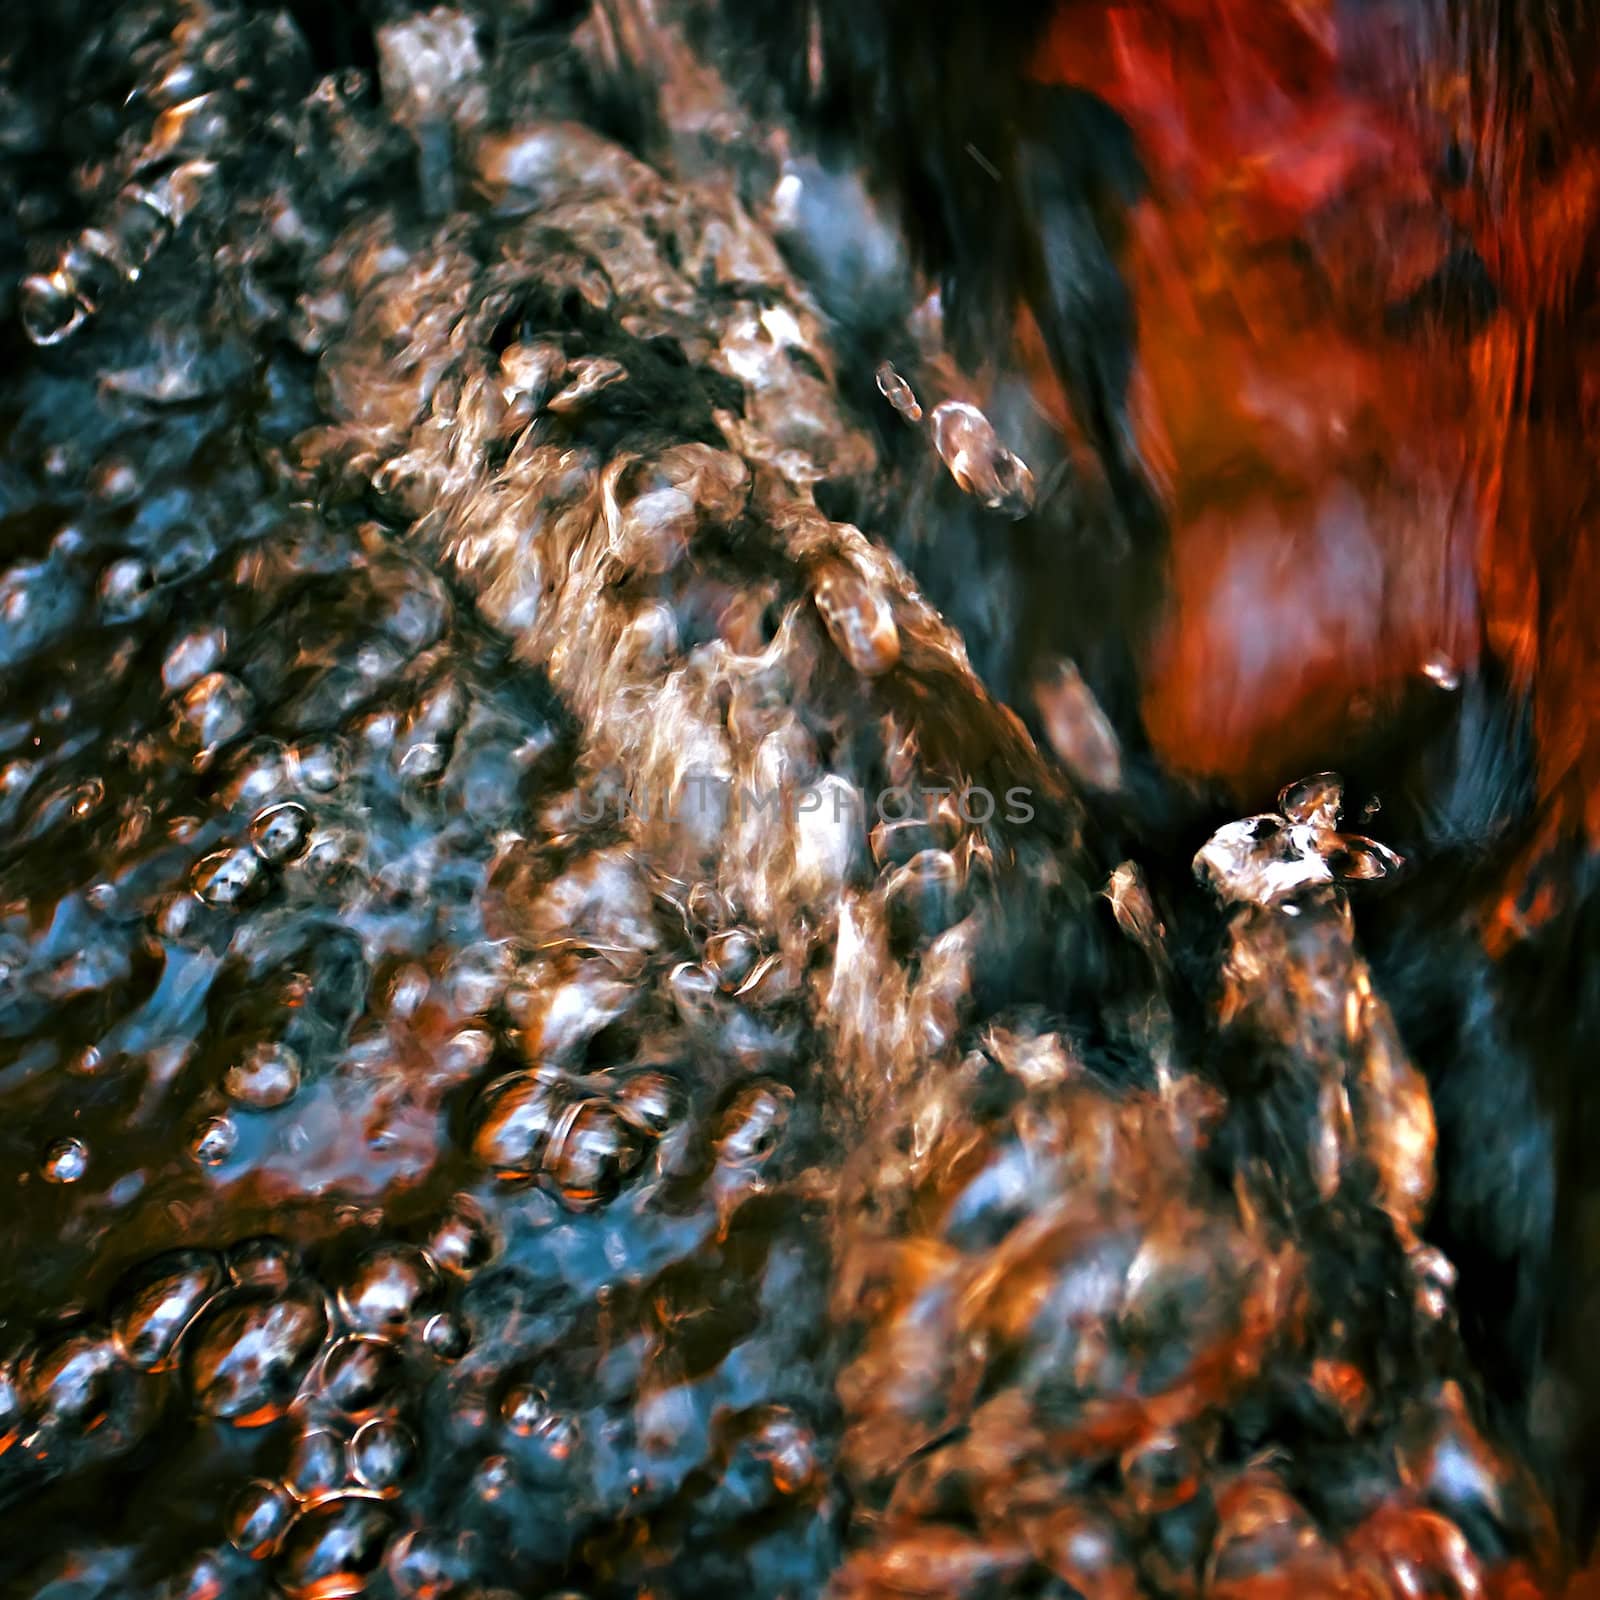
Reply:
x=980, y=464
x=898, y=393
x=1078, y=729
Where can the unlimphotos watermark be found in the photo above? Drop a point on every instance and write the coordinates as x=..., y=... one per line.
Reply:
x=700, y=794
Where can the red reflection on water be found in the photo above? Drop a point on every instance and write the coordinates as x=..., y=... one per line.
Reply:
x=1353, y=498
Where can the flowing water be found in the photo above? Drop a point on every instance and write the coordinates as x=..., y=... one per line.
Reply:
x=554, y=1035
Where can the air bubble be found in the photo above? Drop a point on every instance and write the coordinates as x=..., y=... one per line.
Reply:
x=279, y=833
x=387, y=1288
x=51, y=308
x=462, y=1242
x=752, y=1126
x=334, y=1548
x=523, y=1408
x=592, y=1157
x=263, y=1262
x=226, y=879
x=247, y=1354
x=361, y=1375
x=651, y=1101
x=215, y=1140
x=316, y=1464
x=259, y=1518
x=153, y=1306
x=383, y=1455
x=447, y=1337
x=266, y=1078
x=127, y=590
x=66, y=1161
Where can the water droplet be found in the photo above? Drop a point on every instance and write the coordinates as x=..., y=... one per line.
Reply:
x=980, y=464
x=66, y=1161
x=279, y=833
x=361, y=1375
x=247, y=1353
x=858, y=618
x=387, y=1288
x=1441, y=670
x=155, y=1303
x=266, y=1078
x=334, y=1548
x=215, y=1140
x=259, y=1518
x=1316, y=801
x=898, y=393
x=383, y=1455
